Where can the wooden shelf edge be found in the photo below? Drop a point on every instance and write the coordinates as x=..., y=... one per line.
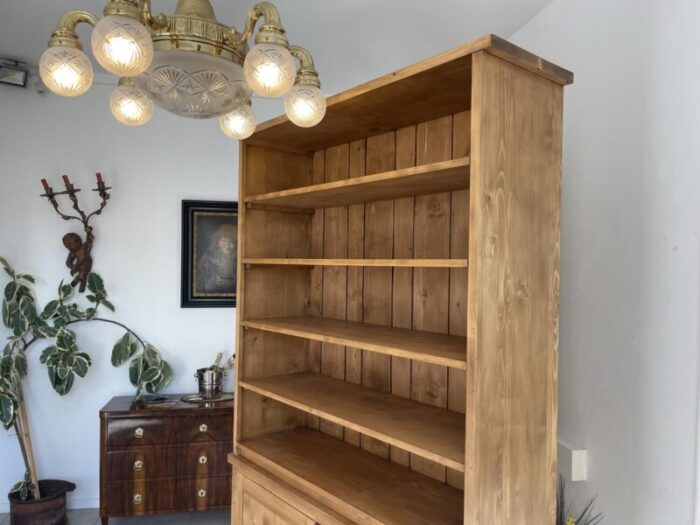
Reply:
x=315, y=488
x=394, y=263
x=352, y=425
x=280, y=198
x=276, y=326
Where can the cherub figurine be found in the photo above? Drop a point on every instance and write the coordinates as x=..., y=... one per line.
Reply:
x=79, y=259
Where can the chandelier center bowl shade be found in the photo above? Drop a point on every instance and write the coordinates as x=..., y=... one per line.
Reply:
x=187, y=63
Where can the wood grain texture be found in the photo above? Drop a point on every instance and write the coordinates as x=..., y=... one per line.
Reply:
x=431, y=286
x=513, y=295
x=380, y=184
x=428, y=347
x=370, y=490
x=430, y=432
x=356, y=248
x=389, y=263
x=401, y=98
x=376, y=307
x=244, y=470
x=335, y=278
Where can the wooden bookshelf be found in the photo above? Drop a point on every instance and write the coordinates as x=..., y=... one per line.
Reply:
x=354, y=482
x=426, y=347
x=435, y=177
x=388, y=263
x=398, y=280
x=434, y=433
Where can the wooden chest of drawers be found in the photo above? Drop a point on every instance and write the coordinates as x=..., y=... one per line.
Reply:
x=164, y=458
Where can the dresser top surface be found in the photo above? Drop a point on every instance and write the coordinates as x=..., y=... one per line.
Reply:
x=172, y=405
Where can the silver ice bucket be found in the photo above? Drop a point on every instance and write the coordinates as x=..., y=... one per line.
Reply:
x=210, y=381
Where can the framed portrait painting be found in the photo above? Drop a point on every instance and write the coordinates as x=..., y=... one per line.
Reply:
x=209, y=254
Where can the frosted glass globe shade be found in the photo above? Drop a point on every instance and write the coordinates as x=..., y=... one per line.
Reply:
x=269, y=69
x=66, y=71
x=122, y=45
x=131, y=106
x=239, y=124
x=195, y=85
x=305, y=105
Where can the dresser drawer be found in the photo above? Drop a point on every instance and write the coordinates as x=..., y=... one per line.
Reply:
x=196, y=460
x=129, y=432
x=167, y=495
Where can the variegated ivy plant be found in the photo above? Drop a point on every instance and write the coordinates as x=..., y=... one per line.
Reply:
x=27, y=325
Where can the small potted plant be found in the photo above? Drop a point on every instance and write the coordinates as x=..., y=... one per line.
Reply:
x=565, y=513
x=35, y=501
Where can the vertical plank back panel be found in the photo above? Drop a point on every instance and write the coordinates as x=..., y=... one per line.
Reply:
x=459, y=248
x=379, y=240
x=402, y=304
x=513, y=295
x=356, y=250
x=431, y=286
x=316, y=246
x=335, y=278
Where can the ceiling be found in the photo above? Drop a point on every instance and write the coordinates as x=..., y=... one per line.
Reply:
x=352, y=41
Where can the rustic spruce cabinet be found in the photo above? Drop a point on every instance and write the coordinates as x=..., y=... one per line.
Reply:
x=398, y=300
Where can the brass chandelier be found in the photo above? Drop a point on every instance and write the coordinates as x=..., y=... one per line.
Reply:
x=186, y=63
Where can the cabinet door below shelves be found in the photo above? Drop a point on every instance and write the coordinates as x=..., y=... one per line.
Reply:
x=257, y=506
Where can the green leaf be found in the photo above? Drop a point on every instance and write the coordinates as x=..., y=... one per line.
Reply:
x=6, y=266
x=65, y=291
x=27, y=309
x=108, y=304
x=166, y=376
x=81, y=366
x=20, y=365
x=46, y=354
x=83, y=355
x=50, y=309
x=26, y=277
x=152, y=356
x=61, y=385
x=6, y=366
x=91, y=298
x=7, y=410
x=11, y=290
x=135, y=371
x=62, y=372
x=41, y=329
x=95, y=284
x=150, y=375
x=65, y=340
x=121, y=350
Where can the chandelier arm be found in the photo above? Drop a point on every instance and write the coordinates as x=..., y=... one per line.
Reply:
x=157, y=23
x=271, y=31
x=307, y=74
x=65, y=34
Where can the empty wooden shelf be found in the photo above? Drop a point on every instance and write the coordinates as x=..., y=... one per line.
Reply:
x=355, y=482
x=427, y=347
x=430, y=178
x=430, y=432
x=389, y=263
x=398, y=290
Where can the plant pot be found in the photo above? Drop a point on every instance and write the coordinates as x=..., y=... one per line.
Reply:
x=49, y=510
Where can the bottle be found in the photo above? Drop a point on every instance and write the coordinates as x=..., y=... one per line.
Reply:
x=217, y=361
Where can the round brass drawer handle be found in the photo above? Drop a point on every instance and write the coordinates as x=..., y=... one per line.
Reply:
x=203, y=460
x=138, y=498
x=203, y=427
x=138, y=433
x=202, y=493
x=138, y=465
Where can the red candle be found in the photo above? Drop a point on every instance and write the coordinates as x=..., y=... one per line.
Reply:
x=66, y=181
x=99, y=178
x=46, y=185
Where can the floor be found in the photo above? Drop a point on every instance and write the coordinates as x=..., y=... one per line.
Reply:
x=92, y=517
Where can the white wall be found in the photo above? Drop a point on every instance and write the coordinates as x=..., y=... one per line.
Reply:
x=630, y=259
x=137, y=252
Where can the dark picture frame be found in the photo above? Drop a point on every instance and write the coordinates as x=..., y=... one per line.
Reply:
x=209, y=254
